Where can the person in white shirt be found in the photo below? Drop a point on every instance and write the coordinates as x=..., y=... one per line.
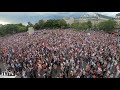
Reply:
x=23, y=73
x=117, y=74
x=78, y=76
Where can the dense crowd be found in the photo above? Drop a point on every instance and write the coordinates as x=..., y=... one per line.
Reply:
x=62, y=54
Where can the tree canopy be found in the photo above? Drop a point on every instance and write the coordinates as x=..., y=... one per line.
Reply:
x=12, y=28
x=107, y=26
x=82, y=26
x=51, y=23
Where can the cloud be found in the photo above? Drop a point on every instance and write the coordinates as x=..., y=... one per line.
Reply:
x=112, y=14
x=44, y=13
x=51, y=13
x=4, y=22
x=24, y=17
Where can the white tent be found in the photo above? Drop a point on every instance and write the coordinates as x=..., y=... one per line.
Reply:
x=30, y=30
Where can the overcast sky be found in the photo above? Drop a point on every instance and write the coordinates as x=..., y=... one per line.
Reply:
x=8, y=17
x=44, y=13
x=104, y=13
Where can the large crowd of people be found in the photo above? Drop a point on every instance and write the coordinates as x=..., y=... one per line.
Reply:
x=62, y=54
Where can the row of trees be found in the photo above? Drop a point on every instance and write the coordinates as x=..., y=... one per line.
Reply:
x=12, y=29
x=51, y=24
x=107, y=26
x=17, y=28
x=82, y=26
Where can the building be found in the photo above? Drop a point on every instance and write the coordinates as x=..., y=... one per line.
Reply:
x=69, y=20
x=117, y=18
x=96, y=18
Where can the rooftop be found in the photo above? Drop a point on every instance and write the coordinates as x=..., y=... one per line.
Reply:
x=92, y=16
x=103, y=16
x=118, y=14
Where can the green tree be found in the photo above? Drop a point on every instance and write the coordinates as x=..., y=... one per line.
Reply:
x=12, y=28
x=83, y=26
x=30, y=24
x=48, y=24
x=107, y=26
x=89, y=23
x=36, y=26
x=75, y=25
x=62, y=23
x=41, y=24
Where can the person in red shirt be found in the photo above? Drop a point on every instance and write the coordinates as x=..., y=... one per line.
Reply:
x=118, y=64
